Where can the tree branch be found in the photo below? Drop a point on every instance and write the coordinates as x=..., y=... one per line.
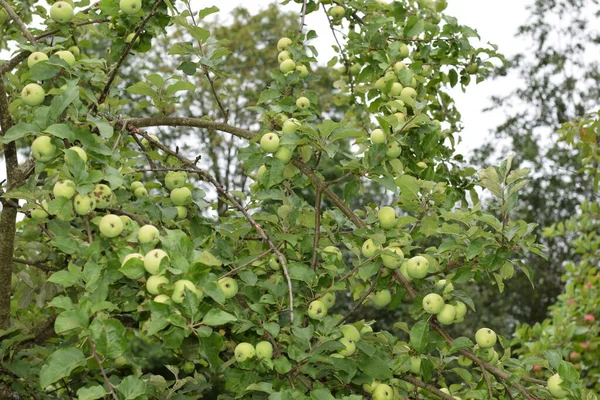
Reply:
x=111, y=389
x=313, y=263
x=429, y=387
x=18, y=22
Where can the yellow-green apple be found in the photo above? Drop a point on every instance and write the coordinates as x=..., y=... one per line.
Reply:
x=302, y=103
x=485, y=337
x=179, y=290
x=369, y=248
x=350, y=332
x=433, y=303
x=383, y=392
x=387, y=217
x=291, y=125
x=228, y=286
x=284, y=43
x=336, y=12
x=317, y=310
x=393, y=261
x=84, y=205
x=64, y=188
x=66, y=56
x=111, y=226
x=152, y=260
x=331, y=254
x=103, y=195
x=148, y=234
x=328, y=299
x=396, y=89
x=140, y=192
x=264, y=350
x=130, y=7
x=415, y=365
x=408, y=95
x=350, y=347
x=182, y=212
x=80, y=152
x=173, y=179
x=162, y=298
x=287, y=66
x=35, y=58
x=33, y=94
x=154, y=282
x=136, y=184
x=284, y=55
x=378, y=136
x=284, y=154
x=42, y=149
x=394, y=150
x=244, y=351
x=181, y=196
x=417, y=267
x=554, y=387
x=61, y=12
x=40, y=212
x=303, y=70
x=447, y=315
x=269, y=143
x=382, y=298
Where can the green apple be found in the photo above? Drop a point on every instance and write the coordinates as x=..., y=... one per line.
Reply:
x=35, y=58
x=369, y=248
x=181, y=196
x=261, y=171
x=162, y=298
x=328, y=299
x=380, y=84
x=461, y=310
x=317, y=310
x=336, y=12
x=447, y=315
x=61, y=12
x=485, y=353
x=422, y=165
x=369, y=387
x=264, y=350
x=382, y=298
x=75, y=50
x=444, y=286
x=80, y=152
x=393, y=261
x=287, y=66
x=284, y=154
x=33, y=94
x=495, y=357
x=377, y=136
x=554, y=387
x=350, y=332
x=66, y=56
x=433, y=303
x=366, y=329
x=111, y=226
x=383, y=392
x=173, y=179
x=349, y=349
x=140, y=192
x=408, y=95
x=130, y=37
x=303, y=70
x=387, y=217
x=179, y=290
x=400, y=117
x=399, y=66
x=136, y=256
x=331, y=254
x=403, y=51
x=302, y=103
x=40, y=212
x=148, y=234
x=228, y=286
x=130, y=7
x=415, y=365
x=64, y=188
x=396, y=89
x=394, y=150
x=290, y=126
x=485, y=337
x=188, y=367
x=269, y=143
x=182, y=212
x=355, y=69
x=103, y=195
x=464, y=361
x=136, y=184
x=154, y=282
x=417, y=267
x=84, y=205
x=284, y=43
x=42, y=149
x=274, y=262
x=284, y=55
x=404, y=270
x=243, y=351
x=152, y=260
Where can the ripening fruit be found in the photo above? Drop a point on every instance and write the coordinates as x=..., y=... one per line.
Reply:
x=111, y=226
x=461, y=310
x=349, y=349
x=130, y=256
x=284, y=154
x=387, y=217
x=350, y=332
x=153, y=285
x=302, y=103
x=317, y=310
x=103, y=195
x=408, y=95
x=331, y=254
x=328, y=299
x=182, y=212
x=42, y=149
x=66, y=56
x=383, y=392
x=554, y=387
x=80, y=152
x=284, y=55
x=303, y=70
x=148, y=234
x=369, y=248
x=394, y=150
x=84, y=205
x=173, y=180
x=179, y=290
x=377, y=136
x=244, y=351
x=64, y=188
x=485, y=338
x=396, y=89
x=40, y=211
x=417, y=267
x=284, y=43
x=264, y=350
x=291, y=125
x=447, y=315
x=130, y=7
x=152, y=260
x=35, y=58
x=181, y=196
x=336, y=12
x=269, y=143
x=433, y=303
x=287, y=66
x=130, y=37
x=382, y=298
x=61, y=12
x=162, y=298
x=393, y=261
x=140, y=192
x=228, y=286
x=415, y=365
x=136, y=184
x=33, y=94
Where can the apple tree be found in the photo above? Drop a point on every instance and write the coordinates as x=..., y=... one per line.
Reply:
x=122, y=281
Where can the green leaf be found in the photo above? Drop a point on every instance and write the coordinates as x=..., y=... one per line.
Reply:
x=60, y=103
x=346, y=132
x=71, y=319
x=206, y=258
x=414, y=26
x=374, y=367
x=61, y=131
x=418, y=335
x=409, y=188
x=207, y=11
x=179, y=86
x=144, y=89
x=67, y=245
x=104, y=127
x=17, y=132
x=64, y=278
x=60, y=364
x=131, y=387
x=461, y=343
x=268, y=94
x=217, y=317
x=109, y=337
x=91, y=393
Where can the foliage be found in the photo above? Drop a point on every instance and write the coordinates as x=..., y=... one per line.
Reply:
x=121, y=269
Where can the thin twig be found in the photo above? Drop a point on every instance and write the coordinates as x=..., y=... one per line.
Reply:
x=17, y=21
x=140, y=220
x=303, y=16
x=244, y=265
x=360, y=301
x=77, y=25
x=427, y=386
x=111, y=389
x=39, y=265
x=86, y=220
x=313, y=263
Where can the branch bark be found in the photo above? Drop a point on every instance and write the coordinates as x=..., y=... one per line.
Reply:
x=17, y=21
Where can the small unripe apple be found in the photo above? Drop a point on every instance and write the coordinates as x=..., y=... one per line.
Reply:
x=284, y=43
x=261, y=171
x=42, y=149
x=403, y=50
x=485, y=338
x=64, y=188
x=287, y=66
x=182, y=212
x=140, y=192
x=173, y=179
x=152, y=260
x=66, y=56
x=404, y=270
x=383, y=392
x=35, y=58
x=554, y=387
x=284, y=55
x=393, y=261
x=369, y=387
x=264, y=350
x=244, y=351
x=162, y=298
x=303, y=70
x=369, y=248
x=575, y=356
x=382, y=298
x=394, y=150
x=377, y=136
x=417, y=267
x=387, y=217
x=317, y=310
x=380, y=84
x=179, y=290
x=290, y=126
x=61, y=12
x=136, y=184
x=229, y=287
x=33, y=94
x=181, y=196
x=396, y=89
x=328, y=299
x=103, y=195
x=399, y=66
x=349, y=349
x=284, y=154
x=269, y=143
x=400, y=117
x=350, y=332
x=444, y=286
x=130, y=7
x=433, y=303
x=274, y=262
x=40, y=212
x=589, y=319
x=154, y=282
x=408, y=95
x=84, y=205
x=75, y=50
x=148, y=234
x=415, y=365
x=464, y=361
x=336, y=12
x=136, y=256
x=80, y=152
x=147, y=143
x=130, y=37
x=461, y=310
x=111, y=226
x=302, y=103
x=447, y=315
x=331, y=254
